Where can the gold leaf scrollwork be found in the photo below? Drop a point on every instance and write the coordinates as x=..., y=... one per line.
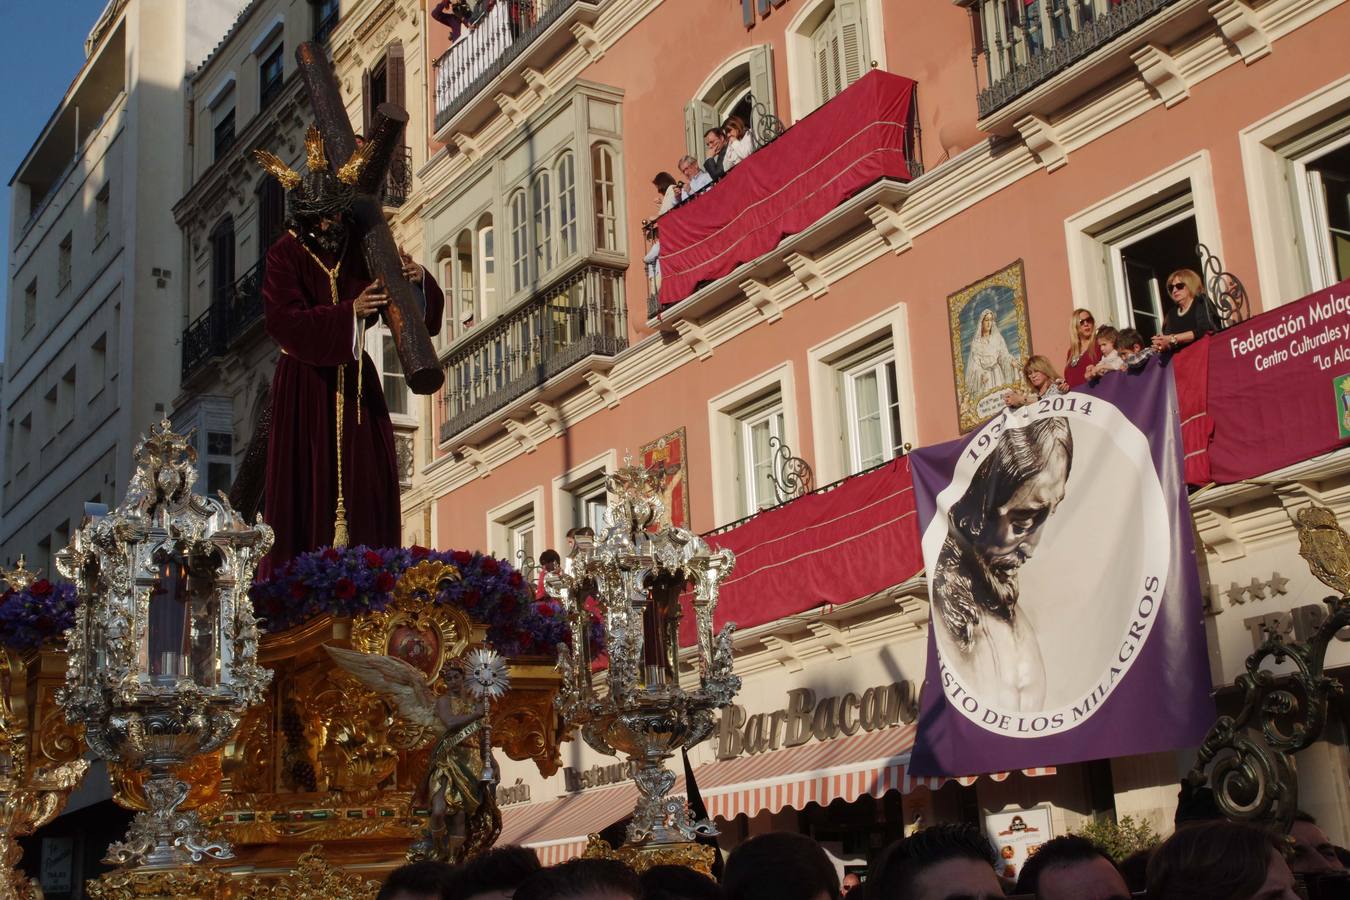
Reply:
x=688, y=854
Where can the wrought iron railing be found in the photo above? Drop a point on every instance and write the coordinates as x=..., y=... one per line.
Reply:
x=489, y=46
x=581, y=315
x=399, y=183
x=213, y=332
x=1026, y=43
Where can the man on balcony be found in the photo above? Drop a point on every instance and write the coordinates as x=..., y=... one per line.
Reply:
x=332, y=475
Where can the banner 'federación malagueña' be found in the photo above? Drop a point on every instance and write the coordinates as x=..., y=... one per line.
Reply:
x=1066, y=612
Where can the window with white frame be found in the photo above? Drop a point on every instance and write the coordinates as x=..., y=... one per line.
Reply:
x=606, y=211
x=565, y=173
x=520, y=249
x=462, y=285
x=384, y=354
x=588, y=503
x=541, y=207
x=487, y=268
x=1320, y=170
x=520, y=538
x=870, y=406
x=760, y=428
x=1140, y=252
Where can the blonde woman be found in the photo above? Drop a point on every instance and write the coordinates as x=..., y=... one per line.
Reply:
x=1191, y=318
x=1044, y=381
x=1083, y=351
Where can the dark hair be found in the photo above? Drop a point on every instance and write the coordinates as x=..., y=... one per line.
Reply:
x=1107, y=333
x=1129, y=337
x=580, y=878
x=430, y=877
x=1301, y=816
x=1018, y=455
x=500, y=869
x=893, y=873
x=663, y=180
x=1134, y=869
x=1066, y=850
x=678, y=883
x=717, y=130
x=549, y=556
x=1195, y=804
x=1212, y=859
x=781, y=865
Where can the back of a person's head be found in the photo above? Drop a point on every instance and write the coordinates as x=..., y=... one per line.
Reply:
x=781, y=865
x=678, y=883
x=418, y=881
x=893, y=874
x=1134, y=869
x=501, y=869
x=581, y=879
x=1207, y=860
x=1067, y=850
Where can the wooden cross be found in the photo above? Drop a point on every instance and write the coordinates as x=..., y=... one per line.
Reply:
x=406, y=317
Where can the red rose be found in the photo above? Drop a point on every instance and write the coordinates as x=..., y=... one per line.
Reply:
x=544, y=609
x=345, y=588
x=41, y=588
x=384, y=582
x=331, y=555
x=419, y=552
x=462, y=557
x=471, y=598
x=489, y=565
x=299, y=591
x=508, y=604
x=515, y=580
x=373, y=559
x=526, y=640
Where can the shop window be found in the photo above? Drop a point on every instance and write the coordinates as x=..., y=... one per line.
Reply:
x=606, y=205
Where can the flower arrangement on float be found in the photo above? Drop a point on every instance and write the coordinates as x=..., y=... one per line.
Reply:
x=35, y=614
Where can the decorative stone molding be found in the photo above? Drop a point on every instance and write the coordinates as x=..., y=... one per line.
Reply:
x=550, y=416
x=886, y=221
x=832, y=638
x=588, y=40
x=805, y=270
x=537, y=82
x=1240, y=27
x=694, y=338
x=1218, y=535
x=1161, y=73
x=466, y=145
x=521, y=433
x=510, y=108
x=782, y=653
x=602, y=388
x=1043, y=141
x=474, y=457
x=760, y=296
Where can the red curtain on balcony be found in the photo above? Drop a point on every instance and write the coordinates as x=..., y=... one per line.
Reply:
x=781, y=189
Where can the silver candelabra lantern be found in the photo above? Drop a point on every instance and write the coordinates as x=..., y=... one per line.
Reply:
x=634, y=576
x=163, y=655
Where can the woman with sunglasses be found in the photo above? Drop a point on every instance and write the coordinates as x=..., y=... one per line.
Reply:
x=1083, y=350
x=1192, y=316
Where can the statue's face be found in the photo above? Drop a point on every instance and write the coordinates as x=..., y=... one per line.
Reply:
x=1015, y=528
x=986, y=322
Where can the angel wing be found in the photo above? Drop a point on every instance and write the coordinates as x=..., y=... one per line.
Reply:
x=392, y=678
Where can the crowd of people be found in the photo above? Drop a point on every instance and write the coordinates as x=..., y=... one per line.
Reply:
x=727, y=145
x=1207, y=859
x=1095, y=350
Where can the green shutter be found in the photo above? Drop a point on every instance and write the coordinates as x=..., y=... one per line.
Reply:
x=761, y=77
x=698, y=118
x=821, y=44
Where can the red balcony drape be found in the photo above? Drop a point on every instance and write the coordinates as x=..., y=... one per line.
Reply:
x=784, y=187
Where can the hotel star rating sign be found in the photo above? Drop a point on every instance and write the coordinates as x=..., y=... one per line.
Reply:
x=1257, y=590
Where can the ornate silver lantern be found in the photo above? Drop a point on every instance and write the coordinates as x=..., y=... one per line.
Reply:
x=634, y=576
x=163, y=655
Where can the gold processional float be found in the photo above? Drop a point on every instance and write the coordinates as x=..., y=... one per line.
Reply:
x=359, y=731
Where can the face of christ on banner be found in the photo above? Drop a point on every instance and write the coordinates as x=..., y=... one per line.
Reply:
x=1050, y=547
x=993, y=530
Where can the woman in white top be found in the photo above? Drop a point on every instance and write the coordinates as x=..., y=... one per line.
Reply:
x=740, y=142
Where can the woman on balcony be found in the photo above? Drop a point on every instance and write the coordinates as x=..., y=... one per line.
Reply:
x=1192, y=318
x=1083, y=350
x=1044, y=381
x=740, y=141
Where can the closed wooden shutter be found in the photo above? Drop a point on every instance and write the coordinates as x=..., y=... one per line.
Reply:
x=395, y=79
x=761, y=78
x=855, y=59
x=698, y=118
x=366, y=106
x=825, y=50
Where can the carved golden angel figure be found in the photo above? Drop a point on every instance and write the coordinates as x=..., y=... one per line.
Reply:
x=465, y=819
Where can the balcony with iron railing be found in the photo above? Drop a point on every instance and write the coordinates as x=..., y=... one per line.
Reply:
x=488, y=47
x=580, y=316
x=225, y=321
x=398, y=183
x=1021, y=45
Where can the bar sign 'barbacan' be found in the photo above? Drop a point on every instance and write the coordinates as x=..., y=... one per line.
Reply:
x=805, y=718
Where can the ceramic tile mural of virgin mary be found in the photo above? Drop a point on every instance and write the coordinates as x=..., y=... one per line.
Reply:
x=990, y=342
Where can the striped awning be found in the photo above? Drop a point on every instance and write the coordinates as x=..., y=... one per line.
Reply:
x=870, y=763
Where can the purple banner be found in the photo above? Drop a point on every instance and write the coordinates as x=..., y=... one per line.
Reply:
x=1066, y=613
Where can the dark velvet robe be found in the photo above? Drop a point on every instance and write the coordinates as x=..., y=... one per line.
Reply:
x=315, y=336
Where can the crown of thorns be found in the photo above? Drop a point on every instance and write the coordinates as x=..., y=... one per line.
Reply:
x=319, y=192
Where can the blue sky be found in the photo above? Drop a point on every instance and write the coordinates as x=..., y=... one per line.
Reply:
x=35, y=83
